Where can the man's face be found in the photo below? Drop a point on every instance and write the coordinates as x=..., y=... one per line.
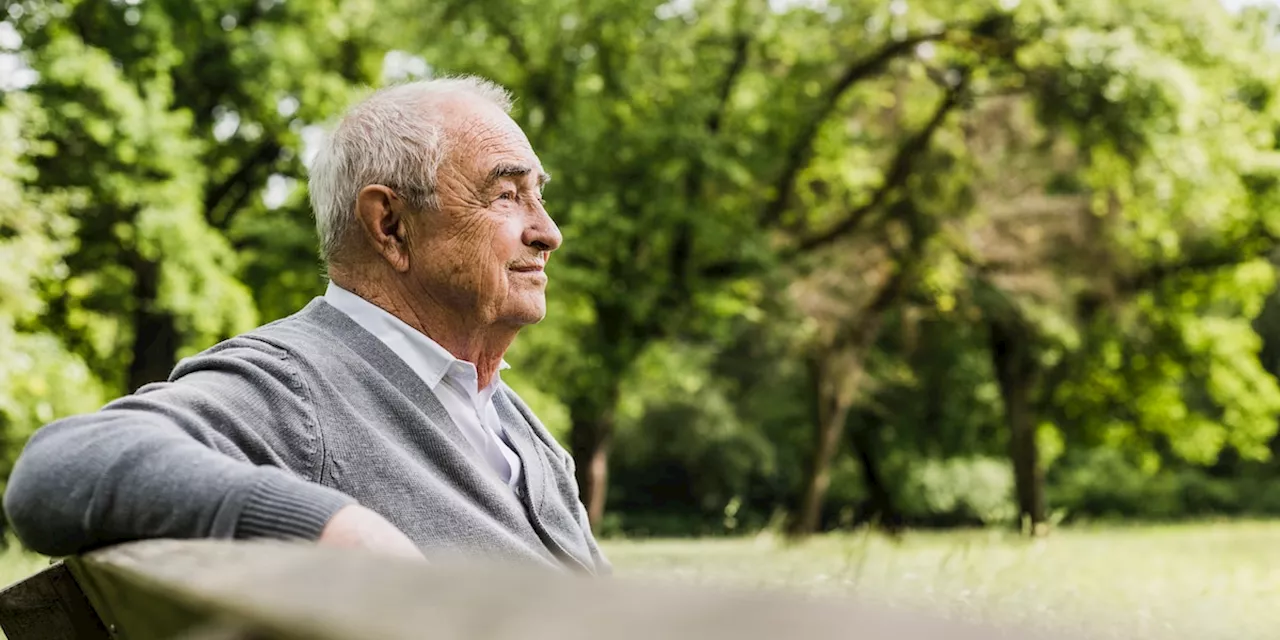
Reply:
x=481, y=256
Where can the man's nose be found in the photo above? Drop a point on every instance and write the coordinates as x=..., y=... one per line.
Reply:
x=542, y=232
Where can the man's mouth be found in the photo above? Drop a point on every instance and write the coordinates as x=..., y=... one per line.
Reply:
x=528, y=268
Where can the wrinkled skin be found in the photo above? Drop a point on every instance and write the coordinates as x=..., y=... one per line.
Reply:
x=468, y=274
x=482, y=253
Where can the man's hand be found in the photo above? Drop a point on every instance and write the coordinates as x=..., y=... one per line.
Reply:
x=355, y=527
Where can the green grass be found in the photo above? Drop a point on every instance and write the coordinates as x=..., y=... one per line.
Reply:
x=1199, y=581
x=16, y=564
x=1189, y=581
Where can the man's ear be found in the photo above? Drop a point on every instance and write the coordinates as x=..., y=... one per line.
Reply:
x=381, y=215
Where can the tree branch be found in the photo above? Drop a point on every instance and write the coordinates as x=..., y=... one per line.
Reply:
x=899, y=170
x=1229, y=256
x=606, y=62
x=237, y=205
x=862, y=333
x=797, y=156
x=514, y=44
x=682, y=247
x=741, y=46
x=729, y=269
x=1153, y=275
x=216, y=195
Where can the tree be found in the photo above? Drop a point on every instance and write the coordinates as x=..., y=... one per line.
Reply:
x=1097, y=212
x=39, y=377
x=1126, y=320
x=171, y=118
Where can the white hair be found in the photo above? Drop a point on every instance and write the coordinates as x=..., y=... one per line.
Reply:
x=391, y=138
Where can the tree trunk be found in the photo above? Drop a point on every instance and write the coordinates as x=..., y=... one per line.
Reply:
x=879, y=509
x=590, y=440
x=155, y=333
x=836, y=372
x=833, y=384
x=1017, y=372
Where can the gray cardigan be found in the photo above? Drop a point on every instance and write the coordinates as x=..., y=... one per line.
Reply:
x=270, y=433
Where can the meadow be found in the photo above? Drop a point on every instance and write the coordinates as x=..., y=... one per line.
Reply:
x=1202, y=581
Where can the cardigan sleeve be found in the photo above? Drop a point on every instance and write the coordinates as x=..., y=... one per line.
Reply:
x=227, y=448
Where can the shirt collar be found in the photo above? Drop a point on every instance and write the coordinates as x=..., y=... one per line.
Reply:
x=425, y=356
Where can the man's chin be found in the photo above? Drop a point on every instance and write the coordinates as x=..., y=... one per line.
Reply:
x=527, y=314
x=534, y=317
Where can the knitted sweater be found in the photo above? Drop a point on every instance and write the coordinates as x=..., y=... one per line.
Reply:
x=270, y=433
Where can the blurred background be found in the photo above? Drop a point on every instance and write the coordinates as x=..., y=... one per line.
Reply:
x=829, y=265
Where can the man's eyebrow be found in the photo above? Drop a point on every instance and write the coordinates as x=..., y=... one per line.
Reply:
x=509, y=170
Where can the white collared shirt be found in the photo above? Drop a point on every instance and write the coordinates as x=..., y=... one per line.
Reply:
x=452, y=380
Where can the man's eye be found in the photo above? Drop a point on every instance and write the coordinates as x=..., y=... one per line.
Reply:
x=507, y=195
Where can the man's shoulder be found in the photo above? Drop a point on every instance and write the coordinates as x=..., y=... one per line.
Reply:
x=303, y=327
x=300, y=335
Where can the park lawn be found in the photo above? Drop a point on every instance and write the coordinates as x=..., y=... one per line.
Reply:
x=1199, y=581
x=17, y=563
x=1187, y=581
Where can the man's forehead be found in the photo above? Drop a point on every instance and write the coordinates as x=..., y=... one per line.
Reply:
x=489, y=142
x=479, y=122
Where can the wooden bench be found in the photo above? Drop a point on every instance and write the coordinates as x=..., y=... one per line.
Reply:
x=212, y=590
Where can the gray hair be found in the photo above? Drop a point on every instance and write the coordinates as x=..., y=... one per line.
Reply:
x=390, y=138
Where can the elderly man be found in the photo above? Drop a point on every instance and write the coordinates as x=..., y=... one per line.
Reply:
x=376, y=416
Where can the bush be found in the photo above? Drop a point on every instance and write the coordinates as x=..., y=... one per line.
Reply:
x=1103, y=484
x=977, y=489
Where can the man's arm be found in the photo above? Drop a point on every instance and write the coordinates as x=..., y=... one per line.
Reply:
x=229, y=449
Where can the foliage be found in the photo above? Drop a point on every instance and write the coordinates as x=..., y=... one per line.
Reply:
x=771, y=209
x=683, y=448
x=1191, y=199
x=977, y=489
x=170, y=118
x=39, y=378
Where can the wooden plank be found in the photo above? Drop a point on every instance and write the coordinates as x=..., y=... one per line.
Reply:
x=135, y=608
x=288, y=592
x=49, y=606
